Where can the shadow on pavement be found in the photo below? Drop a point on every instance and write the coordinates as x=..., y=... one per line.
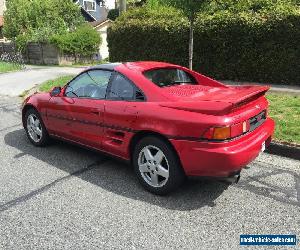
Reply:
x=115, y=176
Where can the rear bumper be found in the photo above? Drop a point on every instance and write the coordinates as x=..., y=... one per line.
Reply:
x=213, y=159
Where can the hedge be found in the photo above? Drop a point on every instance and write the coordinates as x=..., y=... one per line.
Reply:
x=246, y=46
x=83, y=41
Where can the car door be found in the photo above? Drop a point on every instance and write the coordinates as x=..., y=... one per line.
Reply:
x=78, y=114
x=121, y=111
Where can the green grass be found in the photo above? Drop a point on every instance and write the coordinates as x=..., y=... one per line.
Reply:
x=58, y=82
x=285, y=110
x=7, y=67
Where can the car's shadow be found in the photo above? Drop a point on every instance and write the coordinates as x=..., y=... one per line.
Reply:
x=115, y=176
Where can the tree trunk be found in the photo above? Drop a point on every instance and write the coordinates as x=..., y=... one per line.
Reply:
x=122, y=6
x=191, y=42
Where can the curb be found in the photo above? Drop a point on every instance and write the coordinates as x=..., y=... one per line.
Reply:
x=274, y=88
x=284, y=150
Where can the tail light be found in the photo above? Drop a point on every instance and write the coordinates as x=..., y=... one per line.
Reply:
x=226, y=132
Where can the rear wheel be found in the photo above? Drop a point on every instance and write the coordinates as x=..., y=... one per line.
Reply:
x=157, y=166
x=35, y=128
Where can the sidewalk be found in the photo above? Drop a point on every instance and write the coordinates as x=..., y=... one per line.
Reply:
x=15, y=83
x=275, y=88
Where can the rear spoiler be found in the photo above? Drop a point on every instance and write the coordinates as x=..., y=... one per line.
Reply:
x=204, y=107
x=218, y=107
x=251, y=93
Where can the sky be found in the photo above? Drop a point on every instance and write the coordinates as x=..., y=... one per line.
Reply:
x=110, y=4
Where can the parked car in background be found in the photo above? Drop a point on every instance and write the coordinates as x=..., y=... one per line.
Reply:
x=170, y=122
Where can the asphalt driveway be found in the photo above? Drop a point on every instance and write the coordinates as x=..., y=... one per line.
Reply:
x=65, y=197
x=15, y=83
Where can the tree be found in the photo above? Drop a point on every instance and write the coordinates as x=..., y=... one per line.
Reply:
x=113, y=14
x=136, y=3
x=38, y=20
x=190, y=9
x=123, y=5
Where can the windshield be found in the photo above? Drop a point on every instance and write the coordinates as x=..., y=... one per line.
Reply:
x=169, y=77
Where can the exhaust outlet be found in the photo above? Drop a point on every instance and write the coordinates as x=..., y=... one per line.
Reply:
x=233, y=179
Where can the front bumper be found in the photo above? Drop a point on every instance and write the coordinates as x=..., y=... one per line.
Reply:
x=222, y=159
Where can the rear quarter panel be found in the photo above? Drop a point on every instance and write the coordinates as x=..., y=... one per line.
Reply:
x=181, y=124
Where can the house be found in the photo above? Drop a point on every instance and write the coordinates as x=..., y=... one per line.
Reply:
x=93, y=10
x=2, y=9
x=101, y=27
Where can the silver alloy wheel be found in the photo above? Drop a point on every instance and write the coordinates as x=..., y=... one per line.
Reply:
x=34, y=128
x=153, y=166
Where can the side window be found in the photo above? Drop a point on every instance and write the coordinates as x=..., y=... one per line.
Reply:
x=122, y=89
x=91, y=84
x=169, y=77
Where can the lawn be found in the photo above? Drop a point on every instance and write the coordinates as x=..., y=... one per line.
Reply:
x=284, y=108
x=7, y=67
x=61, y=81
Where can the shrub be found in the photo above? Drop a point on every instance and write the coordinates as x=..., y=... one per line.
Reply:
x=144, y=34
x=113, y=14
x=247, y=47
x=259, y=42
x=83, y=41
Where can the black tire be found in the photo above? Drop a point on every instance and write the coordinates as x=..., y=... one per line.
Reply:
x=176, y=173
x=44, y=138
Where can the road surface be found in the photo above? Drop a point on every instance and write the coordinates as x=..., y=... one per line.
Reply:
x=65, y=197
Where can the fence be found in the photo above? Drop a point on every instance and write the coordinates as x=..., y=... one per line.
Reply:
x=40, y=53
x=9, y=53
x=44, y=53
x=7, y=48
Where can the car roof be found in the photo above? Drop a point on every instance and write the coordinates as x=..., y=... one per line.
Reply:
x=106, y=66
x=146, y=65
x=136, y=66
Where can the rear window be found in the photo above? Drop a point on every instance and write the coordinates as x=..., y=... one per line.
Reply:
x=169, y=77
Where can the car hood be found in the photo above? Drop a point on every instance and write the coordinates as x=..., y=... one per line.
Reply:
x=212, y=100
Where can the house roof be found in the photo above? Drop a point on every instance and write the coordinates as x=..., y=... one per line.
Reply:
x=86, y=12
x=1, y=21
x=99, y=23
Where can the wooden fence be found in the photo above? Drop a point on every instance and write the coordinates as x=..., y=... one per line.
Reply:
x=7, y=47
x=42, y=53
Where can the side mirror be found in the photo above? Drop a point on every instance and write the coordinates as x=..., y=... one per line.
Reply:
x=55, y=91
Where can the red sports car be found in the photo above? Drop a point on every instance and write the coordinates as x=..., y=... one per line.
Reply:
x=169, y=121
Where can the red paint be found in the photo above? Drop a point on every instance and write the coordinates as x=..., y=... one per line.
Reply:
x=182, y=114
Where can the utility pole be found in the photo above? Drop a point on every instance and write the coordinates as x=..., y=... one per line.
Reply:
x=122, y=6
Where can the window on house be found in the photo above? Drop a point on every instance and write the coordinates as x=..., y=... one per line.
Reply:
x=101, y=3
x=89, y=5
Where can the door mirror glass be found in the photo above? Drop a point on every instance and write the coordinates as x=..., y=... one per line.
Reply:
x=55, y=91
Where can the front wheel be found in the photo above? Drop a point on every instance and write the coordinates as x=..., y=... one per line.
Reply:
x=35, y=128
x=157, y=166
